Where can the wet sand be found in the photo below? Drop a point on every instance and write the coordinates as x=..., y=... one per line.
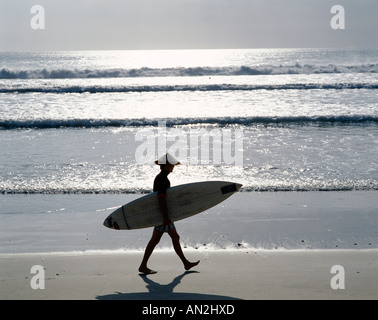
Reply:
x=228, y=274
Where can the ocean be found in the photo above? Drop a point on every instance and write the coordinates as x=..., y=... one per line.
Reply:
x=88, y=125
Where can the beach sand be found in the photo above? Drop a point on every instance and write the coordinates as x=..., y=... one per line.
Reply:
x=247, y=220
x=254, y=246
x=223, y=274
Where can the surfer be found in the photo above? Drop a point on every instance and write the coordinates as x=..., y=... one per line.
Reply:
x=161, y=184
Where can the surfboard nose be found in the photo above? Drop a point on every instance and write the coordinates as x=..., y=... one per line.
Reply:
x=110, y=223
x=106, y=223
x=230, y=188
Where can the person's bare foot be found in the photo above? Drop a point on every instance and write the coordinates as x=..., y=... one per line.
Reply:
x=146, y=270
x=190, y=265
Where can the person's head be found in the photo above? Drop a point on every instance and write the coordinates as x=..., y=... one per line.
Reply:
x=167, y=167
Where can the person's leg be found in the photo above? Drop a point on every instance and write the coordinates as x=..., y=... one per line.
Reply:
x=156, y=236
x=176, y=245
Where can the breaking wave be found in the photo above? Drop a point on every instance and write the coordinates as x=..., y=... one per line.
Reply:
x=221, y=121
x=187, y=72
x=200, y=87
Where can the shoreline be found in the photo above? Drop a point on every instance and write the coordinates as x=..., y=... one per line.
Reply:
x=186, y=250
x=245, y=221
x=228, y=275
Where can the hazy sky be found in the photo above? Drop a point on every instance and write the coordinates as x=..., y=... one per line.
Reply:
x=186, y=24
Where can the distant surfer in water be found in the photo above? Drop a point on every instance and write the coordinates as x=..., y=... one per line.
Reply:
x=161, y=184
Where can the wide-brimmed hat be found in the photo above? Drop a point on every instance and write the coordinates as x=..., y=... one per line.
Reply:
x=167, y=158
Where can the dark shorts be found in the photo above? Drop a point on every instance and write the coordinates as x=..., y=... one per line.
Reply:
x=166, y=228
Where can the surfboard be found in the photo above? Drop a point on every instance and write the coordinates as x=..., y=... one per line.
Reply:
x=183, y=201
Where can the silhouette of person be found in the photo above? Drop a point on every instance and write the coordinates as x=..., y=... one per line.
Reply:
x=161, y=184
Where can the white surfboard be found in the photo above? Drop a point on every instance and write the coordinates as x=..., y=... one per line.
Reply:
x=183, y=201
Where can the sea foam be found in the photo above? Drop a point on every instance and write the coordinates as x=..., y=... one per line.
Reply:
x=296, y=68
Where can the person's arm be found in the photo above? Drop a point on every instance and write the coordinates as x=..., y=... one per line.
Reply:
x=163, y=209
